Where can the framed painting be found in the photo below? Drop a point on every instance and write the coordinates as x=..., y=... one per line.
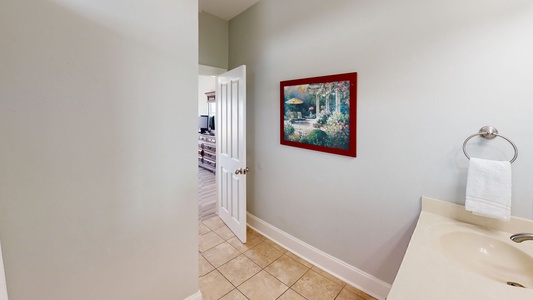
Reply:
x=319, y=113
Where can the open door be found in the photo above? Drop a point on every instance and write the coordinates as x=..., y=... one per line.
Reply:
x=231, y=150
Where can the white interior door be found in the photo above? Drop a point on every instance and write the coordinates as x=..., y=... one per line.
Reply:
x=231, y=150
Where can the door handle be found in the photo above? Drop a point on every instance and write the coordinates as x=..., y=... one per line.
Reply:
x=242, y=171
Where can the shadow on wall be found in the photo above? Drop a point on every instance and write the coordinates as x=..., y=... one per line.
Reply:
x=390, y=254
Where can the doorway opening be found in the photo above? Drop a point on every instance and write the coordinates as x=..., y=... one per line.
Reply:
x=207, y=195
x=223, y=151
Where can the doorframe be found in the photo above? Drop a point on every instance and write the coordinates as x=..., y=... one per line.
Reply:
x=205, y=70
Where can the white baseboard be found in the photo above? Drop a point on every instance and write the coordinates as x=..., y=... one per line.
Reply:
x=345, y=272
x=197, y=296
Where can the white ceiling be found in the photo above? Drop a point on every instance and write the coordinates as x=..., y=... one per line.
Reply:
x=225, y=9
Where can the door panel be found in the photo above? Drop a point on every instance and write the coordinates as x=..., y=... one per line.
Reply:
x=231, y=154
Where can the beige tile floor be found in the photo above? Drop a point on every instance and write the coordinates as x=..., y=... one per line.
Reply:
x=260, y=269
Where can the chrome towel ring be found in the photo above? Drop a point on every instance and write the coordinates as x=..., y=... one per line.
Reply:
x=489, y=133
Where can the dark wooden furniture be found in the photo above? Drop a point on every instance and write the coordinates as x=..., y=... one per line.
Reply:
x=207, y=152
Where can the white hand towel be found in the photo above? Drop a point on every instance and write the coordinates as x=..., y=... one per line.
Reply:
x=488, y=188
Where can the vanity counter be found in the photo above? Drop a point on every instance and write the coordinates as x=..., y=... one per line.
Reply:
x=454, y=254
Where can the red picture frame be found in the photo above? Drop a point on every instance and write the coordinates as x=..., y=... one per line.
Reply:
x=320, y=113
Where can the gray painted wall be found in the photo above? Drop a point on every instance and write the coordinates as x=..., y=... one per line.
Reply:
x=98, y=182
x=431, y=73
x=213, y=40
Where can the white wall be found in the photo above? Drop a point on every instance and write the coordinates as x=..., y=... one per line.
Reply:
x=431, y=73
x=98, y=192
x=213, y=40
x=205, y=84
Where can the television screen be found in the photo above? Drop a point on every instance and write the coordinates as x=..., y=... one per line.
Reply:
x=212, y=123
x=203, y=123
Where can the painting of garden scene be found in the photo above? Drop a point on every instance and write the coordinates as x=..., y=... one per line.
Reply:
x=319, y=113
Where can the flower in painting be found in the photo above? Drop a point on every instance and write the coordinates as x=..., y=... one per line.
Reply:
x=338, y=130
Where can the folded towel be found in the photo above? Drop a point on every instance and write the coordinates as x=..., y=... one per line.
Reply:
x=488, y=188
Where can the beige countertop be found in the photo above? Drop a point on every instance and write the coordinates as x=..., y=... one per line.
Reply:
x=429, y=270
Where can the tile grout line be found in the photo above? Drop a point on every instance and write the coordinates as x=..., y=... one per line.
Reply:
x=241, y=253
x=262, y=269
x=265, y=269
x=224, y=240
x=268, y=243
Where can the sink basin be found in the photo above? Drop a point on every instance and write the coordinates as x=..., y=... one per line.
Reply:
x=454, y=254
x=490, y=256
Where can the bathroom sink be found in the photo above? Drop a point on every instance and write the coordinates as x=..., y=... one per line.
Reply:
x=454, y=254
x=490, y=255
